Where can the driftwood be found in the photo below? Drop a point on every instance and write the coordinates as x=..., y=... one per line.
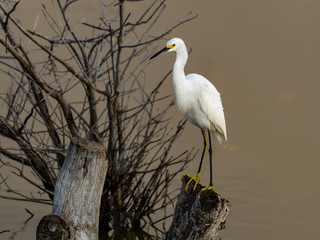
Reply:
x=198, y=214
x=77, y=197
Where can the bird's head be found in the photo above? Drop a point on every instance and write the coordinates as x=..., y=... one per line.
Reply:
x=173, y=45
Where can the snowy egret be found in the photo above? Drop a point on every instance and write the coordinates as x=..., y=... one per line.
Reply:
x=199, y=100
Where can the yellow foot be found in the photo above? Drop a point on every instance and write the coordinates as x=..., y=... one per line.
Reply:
x=209, y=188
x=196, y=178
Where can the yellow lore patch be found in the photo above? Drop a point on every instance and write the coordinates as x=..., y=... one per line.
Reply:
x=171, y=46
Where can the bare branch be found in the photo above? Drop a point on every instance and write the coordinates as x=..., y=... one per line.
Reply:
x=61, y=85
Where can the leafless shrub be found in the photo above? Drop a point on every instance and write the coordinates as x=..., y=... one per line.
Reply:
x=64, y=83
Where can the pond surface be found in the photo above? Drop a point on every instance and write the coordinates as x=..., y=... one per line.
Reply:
x=264, y=58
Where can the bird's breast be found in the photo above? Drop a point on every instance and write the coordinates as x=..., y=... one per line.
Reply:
x=188, y=105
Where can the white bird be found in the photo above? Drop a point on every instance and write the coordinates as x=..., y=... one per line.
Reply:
x=198, y=100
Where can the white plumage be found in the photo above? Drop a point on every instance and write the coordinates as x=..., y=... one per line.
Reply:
x=205, y=109
x=197, y=99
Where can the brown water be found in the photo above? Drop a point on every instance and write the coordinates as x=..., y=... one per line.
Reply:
x=264, y=58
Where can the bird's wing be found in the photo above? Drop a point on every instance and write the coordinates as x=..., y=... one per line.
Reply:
x=210, y=103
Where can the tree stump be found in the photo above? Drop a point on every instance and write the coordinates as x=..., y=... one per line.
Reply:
x=198, y=214
x=77, y=196
x=54, y=227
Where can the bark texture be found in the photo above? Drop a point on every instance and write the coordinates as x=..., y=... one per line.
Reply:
x=77, y=193
x=198, y=214
x=54, y=227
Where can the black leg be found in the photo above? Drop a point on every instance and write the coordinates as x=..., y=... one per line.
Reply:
x=210, y=153
x=204, y=150
x=197, y=178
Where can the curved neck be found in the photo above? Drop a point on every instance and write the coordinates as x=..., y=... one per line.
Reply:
x=180, y=83
x=178, y=67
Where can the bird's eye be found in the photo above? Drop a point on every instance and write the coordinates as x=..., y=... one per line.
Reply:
x=174, y=45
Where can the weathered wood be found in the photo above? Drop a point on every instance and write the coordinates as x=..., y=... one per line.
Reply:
x=54, y=227
x=78, y=191
x=198, y=214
